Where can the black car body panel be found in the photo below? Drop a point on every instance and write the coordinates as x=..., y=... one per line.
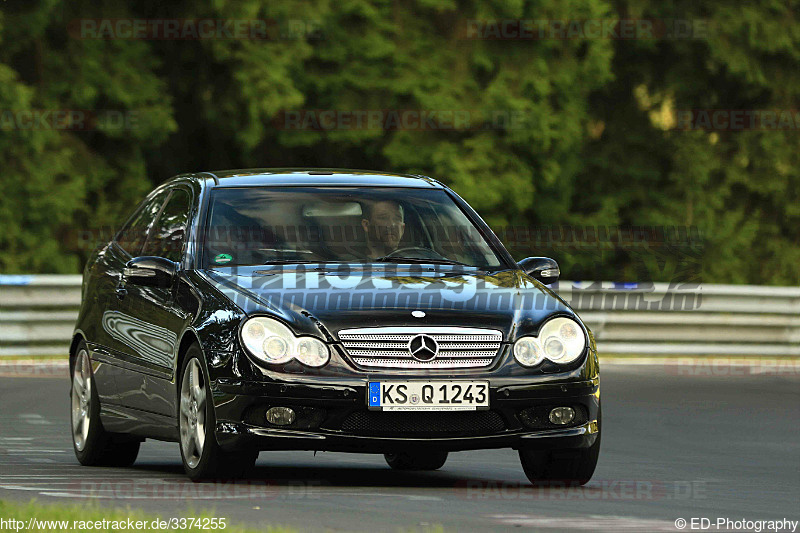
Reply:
x=137, y=335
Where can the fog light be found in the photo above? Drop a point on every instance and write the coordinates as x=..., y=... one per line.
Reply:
x=281, y=416
x=562, y=415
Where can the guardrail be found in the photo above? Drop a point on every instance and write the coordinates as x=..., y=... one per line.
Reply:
x=37, y=315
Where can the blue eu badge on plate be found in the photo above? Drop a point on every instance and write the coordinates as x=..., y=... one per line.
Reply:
x=374, y=394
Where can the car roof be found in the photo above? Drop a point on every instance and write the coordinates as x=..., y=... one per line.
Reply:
x=317, y=177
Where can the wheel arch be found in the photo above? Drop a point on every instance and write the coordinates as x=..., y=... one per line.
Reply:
x=77, y=337
x=189, y=338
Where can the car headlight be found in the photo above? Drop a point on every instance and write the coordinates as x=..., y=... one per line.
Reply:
x=271, y=342
x=527, y=351
x=561, y=340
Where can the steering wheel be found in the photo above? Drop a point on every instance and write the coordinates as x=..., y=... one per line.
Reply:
x=426, y=253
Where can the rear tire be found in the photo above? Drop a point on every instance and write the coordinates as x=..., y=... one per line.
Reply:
x=202, y=457
x=93, y=445
x=560, y=467
x=417, y=460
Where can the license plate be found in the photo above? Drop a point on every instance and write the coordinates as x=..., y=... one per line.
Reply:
x=428, y=395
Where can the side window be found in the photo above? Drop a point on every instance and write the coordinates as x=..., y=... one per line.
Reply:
x=134, y=234
x=166, y=238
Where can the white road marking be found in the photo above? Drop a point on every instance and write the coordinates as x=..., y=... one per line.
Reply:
x=32, y=418
x=45, y=479
x=98, y=495
x=27, y=476
x=18, y=487
x=125, y=488
x=35, y=450
x=269, y=495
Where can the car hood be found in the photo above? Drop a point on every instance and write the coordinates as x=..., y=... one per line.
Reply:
x=315, y=299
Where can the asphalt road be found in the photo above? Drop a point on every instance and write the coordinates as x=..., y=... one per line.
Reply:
x=677, y=443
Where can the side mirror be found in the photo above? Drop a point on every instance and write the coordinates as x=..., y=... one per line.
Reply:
x=150, y=272
x=543, y=269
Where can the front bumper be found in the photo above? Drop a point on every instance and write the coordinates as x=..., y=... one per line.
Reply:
x=333, y=416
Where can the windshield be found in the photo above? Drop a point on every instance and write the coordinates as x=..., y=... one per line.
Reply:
x=275, y=225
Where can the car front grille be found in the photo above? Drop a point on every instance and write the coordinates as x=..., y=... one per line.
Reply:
x=388, y=347
x=423, y=424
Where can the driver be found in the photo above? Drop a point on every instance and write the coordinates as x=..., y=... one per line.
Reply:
x=383, y=225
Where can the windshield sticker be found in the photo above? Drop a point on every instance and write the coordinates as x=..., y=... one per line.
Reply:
x=221, y=259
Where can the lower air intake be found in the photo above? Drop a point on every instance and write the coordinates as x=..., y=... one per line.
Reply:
x=417, y=424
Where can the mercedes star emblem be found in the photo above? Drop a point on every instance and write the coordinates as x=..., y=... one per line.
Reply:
x=423, y=348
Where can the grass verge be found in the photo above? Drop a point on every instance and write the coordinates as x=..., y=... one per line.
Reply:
x=35, y=516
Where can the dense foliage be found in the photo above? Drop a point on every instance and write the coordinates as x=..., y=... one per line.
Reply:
x=578, y=131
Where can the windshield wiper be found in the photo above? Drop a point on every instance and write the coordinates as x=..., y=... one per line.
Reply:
x=395, y=259
x=292, y=262
x=420, y=260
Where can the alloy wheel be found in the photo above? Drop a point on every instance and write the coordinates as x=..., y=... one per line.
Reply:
x=81, y=399
x=193, y=413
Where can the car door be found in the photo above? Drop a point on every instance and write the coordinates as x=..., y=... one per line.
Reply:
x=155, y=316
x=108, y=343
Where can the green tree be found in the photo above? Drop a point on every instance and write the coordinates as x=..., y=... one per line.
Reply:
x=577, y=131
x=63, y=177
x=740, y=188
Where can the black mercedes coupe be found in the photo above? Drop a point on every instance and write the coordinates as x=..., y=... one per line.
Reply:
x=338, y=310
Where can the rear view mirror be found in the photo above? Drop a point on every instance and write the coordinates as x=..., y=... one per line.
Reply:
x=332, y=209
x=150, y=271
x=543, y=269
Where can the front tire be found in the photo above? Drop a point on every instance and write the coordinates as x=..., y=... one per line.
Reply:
x=559, y=467
x=93, y=445
x=202, y=457
x=416, y=460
